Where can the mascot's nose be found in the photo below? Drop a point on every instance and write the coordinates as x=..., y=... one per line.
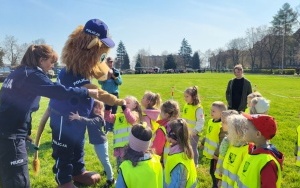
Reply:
x=100, y=71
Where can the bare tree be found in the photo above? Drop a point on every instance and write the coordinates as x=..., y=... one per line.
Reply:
x=1, y=57
x=273, y=46
x=39, y=41
x=251, y=40
x=236, y=49
x=260, y=46
x=11, y=49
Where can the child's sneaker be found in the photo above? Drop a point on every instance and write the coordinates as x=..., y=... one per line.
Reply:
x=109, y=183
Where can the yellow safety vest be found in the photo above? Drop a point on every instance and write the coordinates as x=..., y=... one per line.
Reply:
x=189, y=114
x=189, y=164
x=247, y=110
x=232, y=161
x=147, y=174
x=121, y=131
x=248, y=175
x=211, y=139
x=298, y=146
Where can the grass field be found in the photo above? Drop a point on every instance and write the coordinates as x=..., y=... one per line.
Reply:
x=283, y=91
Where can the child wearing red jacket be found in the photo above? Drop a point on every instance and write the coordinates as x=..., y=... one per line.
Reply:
x=169, y=112
x=262, y=168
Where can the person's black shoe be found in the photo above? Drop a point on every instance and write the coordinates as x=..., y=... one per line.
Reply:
x=109, y=183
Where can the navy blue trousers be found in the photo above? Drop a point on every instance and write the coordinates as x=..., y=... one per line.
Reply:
x=13, y=164
x=68, y=147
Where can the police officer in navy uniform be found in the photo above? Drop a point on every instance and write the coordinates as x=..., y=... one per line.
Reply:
x=17, y=95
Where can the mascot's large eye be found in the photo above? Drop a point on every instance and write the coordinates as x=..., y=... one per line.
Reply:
x=103, y=56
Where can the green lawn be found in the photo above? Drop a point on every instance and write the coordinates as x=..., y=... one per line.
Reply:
x=283, y=91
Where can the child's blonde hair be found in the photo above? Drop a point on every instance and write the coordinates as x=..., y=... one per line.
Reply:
x=153, y=98
x=227, y=113
x=178, y=130
x=220, y=105
x=137, y=108
x=254, y=94
x=236, y=129
x=193, y=92
x=171, y=108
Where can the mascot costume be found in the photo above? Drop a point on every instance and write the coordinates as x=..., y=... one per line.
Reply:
x=83, y=54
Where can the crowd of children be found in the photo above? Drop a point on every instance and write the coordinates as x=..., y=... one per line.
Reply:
x=160, y=141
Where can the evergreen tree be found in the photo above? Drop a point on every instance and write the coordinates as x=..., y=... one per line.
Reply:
x=196, y=61
x=122, y=57
x=126, y=62
x=185, y=53
x=170, y=62
x=285, y=19
x=138, y=64
x=283, y=23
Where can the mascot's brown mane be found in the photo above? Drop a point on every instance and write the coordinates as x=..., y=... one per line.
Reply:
x=78, y=58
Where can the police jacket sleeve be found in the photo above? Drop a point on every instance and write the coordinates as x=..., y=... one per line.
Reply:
x=41, y=85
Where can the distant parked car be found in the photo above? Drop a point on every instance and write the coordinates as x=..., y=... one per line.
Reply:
x=4, y=72
x=128, y=71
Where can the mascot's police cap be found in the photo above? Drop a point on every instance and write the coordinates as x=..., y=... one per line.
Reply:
x=99, y=28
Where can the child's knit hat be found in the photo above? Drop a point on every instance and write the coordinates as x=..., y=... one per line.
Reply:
x=262, y=105
x=264, y=123
x=137, y=144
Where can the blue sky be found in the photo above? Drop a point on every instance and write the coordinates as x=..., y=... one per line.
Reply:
x=153, y=25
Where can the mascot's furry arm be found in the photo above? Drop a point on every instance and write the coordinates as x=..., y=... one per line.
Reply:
x=105, y=97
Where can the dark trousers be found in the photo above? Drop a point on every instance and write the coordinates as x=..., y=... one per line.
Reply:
x=109, y=126
x=68, y=147
x=212, y=169
x=13, y=164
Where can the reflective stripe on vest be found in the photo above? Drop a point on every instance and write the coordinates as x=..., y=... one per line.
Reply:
x=124, y=139
x=230, y=175
x=232, y=161
x=121, y=131
x=124, y=130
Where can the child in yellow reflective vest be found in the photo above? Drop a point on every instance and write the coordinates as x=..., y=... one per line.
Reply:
x=237, y=150
x=151, y=109
x=180, y=170
x=132, y=114
x=169, y=111
x=193, y=114
x=214, y=136
x=224, y=143
x=140, y=168
x=263, y=166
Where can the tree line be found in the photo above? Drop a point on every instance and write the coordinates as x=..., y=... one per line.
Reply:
x=266, y=47
x=272, y=47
